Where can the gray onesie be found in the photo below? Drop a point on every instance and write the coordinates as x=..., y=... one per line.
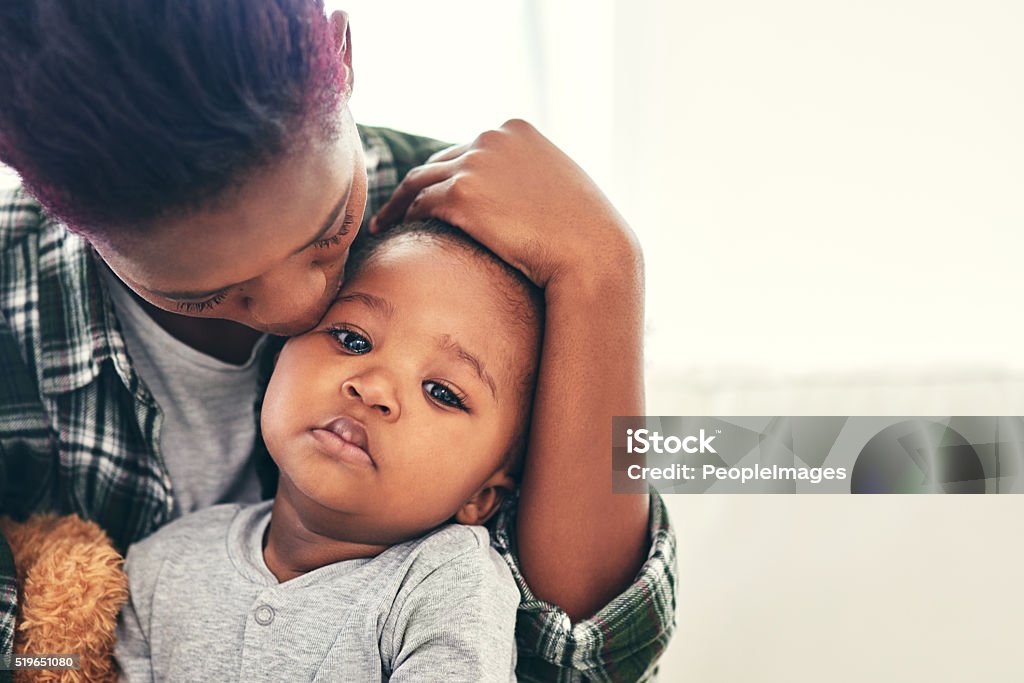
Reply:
x=205, y=607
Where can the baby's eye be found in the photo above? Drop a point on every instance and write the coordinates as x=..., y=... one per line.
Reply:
x=445, y=395
x=352, y=342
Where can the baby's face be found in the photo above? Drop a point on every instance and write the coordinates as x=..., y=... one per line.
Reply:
x=401, y=403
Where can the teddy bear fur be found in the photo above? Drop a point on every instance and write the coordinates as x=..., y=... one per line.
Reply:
x=71, y=587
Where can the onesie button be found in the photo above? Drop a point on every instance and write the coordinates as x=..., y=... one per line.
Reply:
x=264, y=615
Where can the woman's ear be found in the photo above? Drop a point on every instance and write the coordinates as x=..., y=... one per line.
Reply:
x=343, y=39
x=484, y=503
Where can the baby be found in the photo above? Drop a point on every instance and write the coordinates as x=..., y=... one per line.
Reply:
x=398, y=425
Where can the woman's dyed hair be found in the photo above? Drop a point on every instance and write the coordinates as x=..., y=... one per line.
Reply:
x=118, y=112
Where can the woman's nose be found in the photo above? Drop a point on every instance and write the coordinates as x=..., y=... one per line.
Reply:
x=375, y=391
x=287, y=296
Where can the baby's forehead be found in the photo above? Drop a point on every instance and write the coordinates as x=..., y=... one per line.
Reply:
x=422, y=255
x=408, y=248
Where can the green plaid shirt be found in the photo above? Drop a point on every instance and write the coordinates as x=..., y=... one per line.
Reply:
x=79, y=434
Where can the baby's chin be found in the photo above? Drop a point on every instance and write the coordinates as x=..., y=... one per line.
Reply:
x=364, y=527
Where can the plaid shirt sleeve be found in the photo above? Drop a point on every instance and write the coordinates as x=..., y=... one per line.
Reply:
x=21, y=420
x=8, y=605
x=622, y=642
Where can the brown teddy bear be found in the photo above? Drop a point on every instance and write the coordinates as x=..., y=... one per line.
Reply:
x=70, y=589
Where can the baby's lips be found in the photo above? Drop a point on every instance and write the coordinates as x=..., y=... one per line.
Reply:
x=350, y=430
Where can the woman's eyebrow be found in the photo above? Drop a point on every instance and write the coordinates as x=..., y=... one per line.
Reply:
x=332, y=217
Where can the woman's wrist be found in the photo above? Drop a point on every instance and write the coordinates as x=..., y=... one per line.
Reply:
x=612, y=274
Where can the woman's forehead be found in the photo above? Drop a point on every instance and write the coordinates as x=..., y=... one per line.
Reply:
x=262, y=222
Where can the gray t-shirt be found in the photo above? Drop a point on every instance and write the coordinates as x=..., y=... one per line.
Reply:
x=207, y=406
x=204, y=607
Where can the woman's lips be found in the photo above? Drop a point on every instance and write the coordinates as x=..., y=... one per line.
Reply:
x=345, y=440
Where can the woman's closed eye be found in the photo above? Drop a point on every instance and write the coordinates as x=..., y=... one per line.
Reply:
x=334, y=239
x=200, y=306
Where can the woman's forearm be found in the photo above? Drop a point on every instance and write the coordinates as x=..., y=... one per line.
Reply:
x=579, y=544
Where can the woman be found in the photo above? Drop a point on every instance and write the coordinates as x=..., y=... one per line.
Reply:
x=202, y=157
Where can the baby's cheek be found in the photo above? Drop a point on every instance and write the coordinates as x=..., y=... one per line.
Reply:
x=286, y=408
x=412, y=493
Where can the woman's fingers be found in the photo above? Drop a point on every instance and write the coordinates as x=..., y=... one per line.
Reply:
x=434, y=201
x=394, y=210
x=448, y=153
x=523, y=198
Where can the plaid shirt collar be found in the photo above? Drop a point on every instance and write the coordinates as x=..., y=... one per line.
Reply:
x=78, y=334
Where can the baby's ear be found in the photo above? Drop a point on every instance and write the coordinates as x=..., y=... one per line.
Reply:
x=485, y=502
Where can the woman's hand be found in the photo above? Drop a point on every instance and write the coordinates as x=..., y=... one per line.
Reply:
x=523, y=198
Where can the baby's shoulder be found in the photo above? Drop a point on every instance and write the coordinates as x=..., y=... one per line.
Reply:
x=449, y=542
x=458, y=550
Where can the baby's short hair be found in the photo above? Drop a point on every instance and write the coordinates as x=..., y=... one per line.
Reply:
x=523, y=303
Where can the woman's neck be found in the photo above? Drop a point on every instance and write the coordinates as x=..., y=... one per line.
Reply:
x=225, y=340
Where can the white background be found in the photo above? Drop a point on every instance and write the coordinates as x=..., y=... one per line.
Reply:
x=818, y=185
